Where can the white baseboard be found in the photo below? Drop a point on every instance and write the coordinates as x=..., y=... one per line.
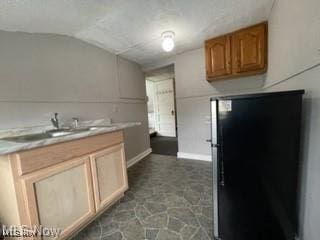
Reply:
x=192, y=156
x=138, y=158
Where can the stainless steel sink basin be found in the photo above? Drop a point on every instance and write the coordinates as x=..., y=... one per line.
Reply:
x=28, y=138
x=53, y=133
x=58, y=132
x=102, y=126
x=45, y=135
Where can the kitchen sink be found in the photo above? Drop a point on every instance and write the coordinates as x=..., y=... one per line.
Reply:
x=52, y=134
x=28, y=138
x=45, y=135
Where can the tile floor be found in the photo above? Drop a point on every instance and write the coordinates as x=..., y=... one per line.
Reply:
x=168, y=199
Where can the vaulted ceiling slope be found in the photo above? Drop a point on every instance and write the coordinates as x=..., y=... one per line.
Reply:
x=132, y=28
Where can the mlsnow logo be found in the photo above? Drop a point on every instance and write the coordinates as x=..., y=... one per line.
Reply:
x=26, y=231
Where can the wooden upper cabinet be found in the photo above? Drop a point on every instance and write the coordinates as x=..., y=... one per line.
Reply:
x=218, y=57
x=237, y=54
x=249, y=49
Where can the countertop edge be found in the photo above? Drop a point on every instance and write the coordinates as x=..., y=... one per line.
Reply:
x=8, y=147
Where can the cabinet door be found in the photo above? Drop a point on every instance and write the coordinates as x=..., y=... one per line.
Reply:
x=218, y=57
x=109, y=170
x=60, y=196
x=249, y=49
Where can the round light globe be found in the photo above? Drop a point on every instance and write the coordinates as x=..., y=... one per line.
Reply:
x=167, y=41
x=167, y=44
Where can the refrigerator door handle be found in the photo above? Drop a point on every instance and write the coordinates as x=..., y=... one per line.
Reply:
x=215, y=145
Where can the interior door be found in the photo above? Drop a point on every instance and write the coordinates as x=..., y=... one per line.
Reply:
x=166, y=120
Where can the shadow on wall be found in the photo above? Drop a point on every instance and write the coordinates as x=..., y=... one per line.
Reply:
x=244, y=84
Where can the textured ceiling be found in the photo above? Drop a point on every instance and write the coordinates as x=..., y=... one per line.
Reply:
x=132, y=28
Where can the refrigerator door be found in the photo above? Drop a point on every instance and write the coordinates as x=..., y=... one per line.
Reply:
x=214, y=124
x=242, y=212
x=255, y=168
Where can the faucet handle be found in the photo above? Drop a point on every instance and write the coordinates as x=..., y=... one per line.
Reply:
x=55, y=121
x=75, y=122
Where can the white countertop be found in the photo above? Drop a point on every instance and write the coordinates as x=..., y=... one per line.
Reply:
x=7, y=147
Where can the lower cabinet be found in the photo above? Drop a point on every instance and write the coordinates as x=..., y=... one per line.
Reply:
x=109, y=171
x=60, y=196
x=70, y=194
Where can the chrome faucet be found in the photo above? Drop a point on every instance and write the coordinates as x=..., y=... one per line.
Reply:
x=55, y=121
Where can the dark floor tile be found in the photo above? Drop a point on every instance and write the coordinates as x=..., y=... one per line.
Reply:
x=168, y=199
x=175, y=224
x=167, y=235
x=113, y=236
x=151, y=234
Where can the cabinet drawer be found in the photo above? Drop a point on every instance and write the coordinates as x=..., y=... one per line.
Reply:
x=32, y=160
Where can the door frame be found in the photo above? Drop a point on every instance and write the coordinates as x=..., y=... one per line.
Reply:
x=174, y=104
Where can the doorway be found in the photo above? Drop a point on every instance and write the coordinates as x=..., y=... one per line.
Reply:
x=160, y=87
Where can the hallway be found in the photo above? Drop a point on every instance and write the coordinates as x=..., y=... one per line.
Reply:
x=164, y=145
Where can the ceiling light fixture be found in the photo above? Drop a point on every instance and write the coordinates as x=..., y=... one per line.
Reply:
x=167, y=41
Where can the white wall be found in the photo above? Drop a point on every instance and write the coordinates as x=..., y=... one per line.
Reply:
x=129, y=75
x=44, y=73
x=294, y=38
x=193, y=94
x=294, y=63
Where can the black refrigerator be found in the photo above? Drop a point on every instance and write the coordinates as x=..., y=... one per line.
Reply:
x=255, y=154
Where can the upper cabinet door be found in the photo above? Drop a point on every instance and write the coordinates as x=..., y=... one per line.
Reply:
x=249, y=49
x=218, y=57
